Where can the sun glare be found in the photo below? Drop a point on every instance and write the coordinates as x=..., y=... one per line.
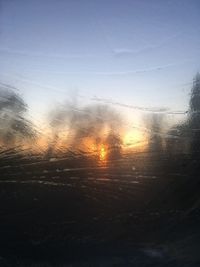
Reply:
x=134, y=139
x=102, y=152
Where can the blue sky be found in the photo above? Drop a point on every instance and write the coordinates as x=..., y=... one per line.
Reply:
x=140, y=53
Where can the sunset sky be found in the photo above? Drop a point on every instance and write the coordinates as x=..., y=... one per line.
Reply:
x=137, y=53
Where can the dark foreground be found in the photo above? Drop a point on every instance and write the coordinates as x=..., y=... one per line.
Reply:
x=133, y=211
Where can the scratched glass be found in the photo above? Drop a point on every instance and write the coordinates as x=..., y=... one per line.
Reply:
x=99, y=133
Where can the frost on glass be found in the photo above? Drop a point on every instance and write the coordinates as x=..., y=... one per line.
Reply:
x=84, y=183
x=99, y=145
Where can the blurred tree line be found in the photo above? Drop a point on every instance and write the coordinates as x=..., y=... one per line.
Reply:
x=183, y=138
x=14, y=125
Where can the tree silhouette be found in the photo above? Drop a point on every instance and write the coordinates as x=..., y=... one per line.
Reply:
x=97, y=123
x=154, y=123
x=194, y=115
x=187, y=134
x=114, y=143
x=13, y=124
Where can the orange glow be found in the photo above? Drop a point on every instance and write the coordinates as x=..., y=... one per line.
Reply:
x=102, y=152
x=131, y=140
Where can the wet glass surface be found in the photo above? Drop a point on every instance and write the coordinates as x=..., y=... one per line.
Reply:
x=99, y=133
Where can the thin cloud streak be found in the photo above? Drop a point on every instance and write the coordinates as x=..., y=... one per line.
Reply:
x=39, y=54
x=111, y=73
x=129, y=51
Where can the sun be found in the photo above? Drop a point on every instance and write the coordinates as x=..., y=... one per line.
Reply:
x=102, y=152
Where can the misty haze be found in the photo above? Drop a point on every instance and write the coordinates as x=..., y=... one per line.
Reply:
x=99, y=133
